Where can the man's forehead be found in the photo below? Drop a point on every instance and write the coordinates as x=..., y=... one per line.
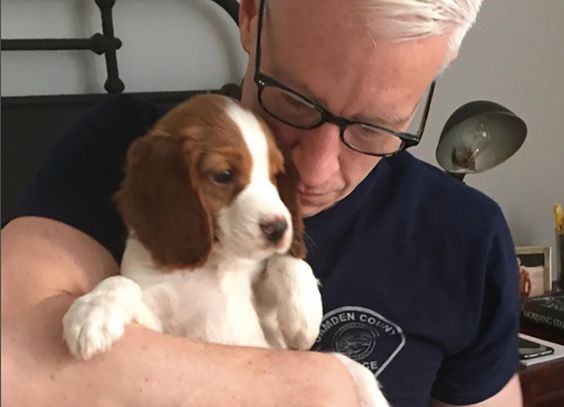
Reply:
x=342, y=67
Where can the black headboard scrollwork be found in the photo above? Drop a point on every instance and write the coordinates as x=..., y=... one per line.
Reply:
x=30, y=123
x=104, y=43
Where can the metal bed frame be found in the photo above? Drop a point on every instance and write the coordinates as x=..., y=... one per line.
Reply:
x=31, y=123
x=104, y=43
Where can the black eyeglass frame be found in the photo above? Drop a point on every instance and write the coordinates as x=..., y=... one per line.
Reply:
x=262, y=81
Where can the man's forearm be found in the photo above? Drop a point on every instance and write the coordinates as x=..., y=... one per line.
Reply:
x=46, y=265
x=145, y=368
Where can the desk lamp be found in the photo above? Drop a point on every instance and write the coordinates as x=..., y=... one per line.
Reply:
x=478, y=136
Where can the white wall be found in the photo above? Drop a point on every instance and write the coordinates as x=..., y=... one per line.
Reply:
x=514, y=56
x=167, y=45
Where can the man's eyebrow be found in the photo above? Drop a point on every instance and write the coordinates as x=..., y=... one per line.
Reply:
x=296, y=85
x=388, y=119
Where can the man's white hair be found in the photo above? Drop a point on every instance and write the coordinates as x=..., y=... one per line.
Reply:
x=402, y=20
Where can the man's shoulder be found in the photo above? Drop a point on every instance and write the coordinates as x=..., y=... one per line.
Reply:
x=83, y=167
x=104, y=131
x=124, y=112
x=436, y=193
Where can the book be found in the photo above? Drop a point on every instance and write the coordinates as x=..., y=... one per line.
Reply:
x=546, y=310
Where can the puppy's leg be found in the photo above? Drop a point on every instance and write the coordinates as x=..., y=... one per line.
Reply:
x=289, y=283
x=367, y=387
x=97, y=319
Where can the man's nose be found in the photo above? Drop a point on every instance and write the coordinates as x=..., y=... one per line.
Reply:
x=316, y=156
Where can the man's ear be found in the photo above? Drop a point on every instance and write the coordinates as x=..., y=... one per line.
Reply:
x=248, y=13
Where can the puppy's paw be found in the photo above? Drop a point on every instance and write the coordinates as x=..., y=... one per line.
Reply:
x=96, y=320
x=299, y=307
x=367, y=387
x=92, y=324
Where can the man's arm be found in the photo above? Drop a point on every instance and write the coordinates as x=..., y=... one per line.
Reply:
x=510, y=395
x=46, y=265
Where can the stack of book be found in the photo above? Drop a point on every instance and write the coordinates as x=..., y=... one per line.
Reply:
x=546, y=310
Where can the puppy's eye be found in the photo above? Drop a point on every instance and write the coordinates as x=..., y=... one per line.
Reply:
x=223, y=177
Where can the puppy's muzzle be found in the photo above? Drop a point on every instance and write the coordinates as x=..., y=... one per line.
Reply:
x=274, y=229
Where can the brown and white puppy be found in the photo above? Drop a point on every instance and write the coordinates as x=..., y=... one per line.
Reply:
x=213, y=251
x=215, y=242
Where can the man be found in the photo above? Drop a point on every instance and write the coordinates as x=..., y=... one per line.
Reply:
x=418, y=271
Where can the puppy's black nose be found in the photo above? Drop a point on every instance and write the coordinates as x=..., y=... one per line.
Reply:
x=273, y=230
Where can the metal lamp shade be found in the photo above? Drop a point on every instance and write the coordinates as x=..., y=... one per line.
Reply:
x=478, y=136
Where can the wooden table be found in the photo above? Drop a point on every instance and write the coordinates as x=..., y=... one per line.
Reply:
x=543, y=384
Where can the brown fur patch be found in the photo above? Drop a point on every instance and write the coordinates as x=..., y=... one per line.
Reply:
x=169, y=197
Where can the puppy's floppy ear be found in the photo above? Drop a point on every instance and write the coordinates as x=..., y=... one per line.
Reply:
x=287, y=187
x=158, y=201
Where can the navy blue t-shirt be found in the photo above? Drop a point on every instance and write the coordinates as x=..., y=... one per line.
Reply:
x=418, y=270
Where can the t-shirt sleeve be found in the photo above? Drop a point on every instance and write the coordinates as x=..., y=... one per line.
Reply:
x=83, y=168
x=483, y=368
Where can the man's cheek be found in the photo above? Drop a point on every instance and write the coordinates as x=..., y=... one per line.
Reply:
x=285, y=136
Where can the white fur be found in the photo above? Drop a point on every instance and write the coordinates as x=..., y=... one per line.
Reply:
x=258, y=201
x=247, y=293
x=367, y=387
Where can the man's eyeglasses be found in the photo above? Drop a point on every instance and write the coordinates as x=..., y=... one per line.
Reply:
x=296, y=110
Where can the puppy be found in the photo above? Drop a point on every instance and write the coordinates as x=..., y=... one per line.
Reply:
x=215, y=244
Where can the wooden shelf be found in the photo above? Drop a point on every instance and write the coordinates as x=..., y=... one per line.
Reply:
x=543, y=384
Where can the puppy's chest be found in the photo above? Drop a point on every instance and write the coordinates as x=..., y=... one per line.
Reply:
x=207, y=305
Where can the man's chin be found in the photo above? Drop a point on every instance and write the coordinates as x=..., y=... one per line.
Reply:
x=312, y=204
x=309, y=209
